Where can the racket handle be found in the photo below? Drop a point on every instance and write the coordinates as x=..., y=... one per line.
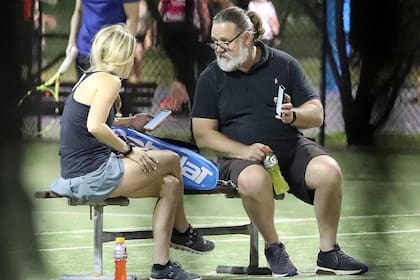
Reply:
x=67, y=61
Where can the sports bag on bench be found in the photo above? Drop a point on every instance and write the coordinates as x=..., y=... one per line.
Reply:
x=198, y=172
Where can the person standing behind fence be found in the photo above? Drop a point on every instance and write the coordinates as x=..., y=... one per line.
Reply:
x=96, y=164
x=267, y=12
x=146, y=38
x=234, y=116
x=185, y=24
x=89, y=16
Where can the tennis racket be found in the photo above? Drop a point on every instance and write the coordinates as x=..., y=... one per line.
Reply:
x=52, y=87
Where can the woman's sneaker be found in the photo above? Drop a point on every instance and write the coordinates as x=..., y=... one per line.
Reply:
x=173, y=270
x=191, y=241
x=279, y=262
x=337, y=262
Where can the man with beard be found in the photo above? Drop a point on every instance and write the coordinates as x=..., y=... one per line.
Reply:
x=234, y=116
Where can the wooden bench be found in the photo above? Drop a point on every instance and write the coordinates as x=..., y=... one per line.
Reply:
x=101, y=236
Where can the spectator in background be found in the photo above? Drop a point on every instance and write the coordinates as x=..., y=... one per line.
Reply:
x=47, y=21
x=186, y=25
x=41, y=21
x=146, y=38
x=267, y=12
x=89, y=16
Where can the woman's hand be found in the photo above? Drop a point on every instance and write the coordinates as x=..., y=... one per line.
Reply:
x=144, y=159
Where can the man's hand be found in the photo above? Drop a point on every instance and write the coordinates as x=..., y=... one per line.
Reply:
x=255, y=152
x=286, y=115
x=139, y=121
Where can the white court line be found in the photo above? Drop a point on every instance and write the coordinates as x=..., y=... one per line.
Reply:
x=244, y=218
x=366, y=233
x=84, y=214
x=237, y=219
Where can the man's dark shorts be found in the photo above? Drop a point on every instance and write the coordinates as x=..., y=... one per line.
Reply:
x=293, y=167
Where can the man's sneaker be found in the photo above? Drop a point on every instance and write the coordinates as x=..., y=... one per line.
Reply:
x=337, y=262
x=191, y=241
x=173, y=271
x=279, y=262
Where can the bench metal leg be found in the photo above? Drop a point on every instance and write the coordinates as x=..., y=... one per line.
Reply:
x=101, y=236
x=253, y=268
x=248, y=229
x=98, y=224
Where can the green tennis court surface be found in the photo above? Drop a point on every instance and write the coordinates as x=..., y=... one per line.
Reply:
x=380, y=222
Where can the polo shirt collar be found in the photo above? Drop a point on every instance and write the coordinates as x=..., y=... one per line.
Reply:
x=266, y=53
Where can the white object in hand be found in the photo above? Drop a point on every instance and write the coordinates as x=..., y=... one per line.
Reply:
x=280, y=95
x=153, y=123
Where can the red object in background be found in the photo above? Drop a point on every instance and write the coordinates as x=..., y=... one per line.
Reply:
x=27, y=10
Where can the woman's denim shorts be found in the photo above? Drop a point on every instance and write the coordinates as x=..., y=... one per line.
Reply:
x=94, y=186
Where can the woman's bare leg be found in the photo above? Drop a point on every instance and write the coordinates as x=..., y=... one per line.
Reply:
x=165, y=183
x=163, y=218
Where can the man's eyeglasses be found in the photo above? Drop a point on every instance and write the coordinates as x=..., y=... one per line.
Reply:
x=223, y=45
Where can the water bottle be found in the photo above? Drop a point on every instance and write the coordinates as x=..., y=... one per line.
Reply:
x=120, y=259
x=280, y=185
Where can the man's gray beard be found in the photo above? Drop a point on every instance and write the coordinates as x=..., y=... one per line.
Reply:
x=232, y=64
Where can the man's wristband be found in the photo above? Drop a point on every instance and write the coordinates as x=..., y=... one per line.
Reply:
x=293, y=117
x=130, y=150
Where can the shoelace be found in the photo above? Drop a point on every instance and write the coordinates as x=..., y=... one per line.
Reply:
x=175, y=264
x=282, y=255
x=196, y=236
x=343, y=255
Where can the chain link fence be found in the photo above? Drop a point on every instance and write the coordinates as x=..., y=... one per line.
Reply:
x=301, y=35
x=401, y=130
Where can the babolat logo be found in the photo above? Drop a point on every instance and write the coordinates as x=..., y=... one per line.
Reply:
x=190, y=170
x=194, y=172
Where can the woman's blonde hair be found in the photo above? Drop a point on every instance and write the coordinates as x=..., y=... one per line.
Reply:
x=113, y=50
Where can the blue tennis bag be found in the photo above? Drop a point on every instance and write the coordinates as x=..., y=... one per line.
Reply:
x=198, y=172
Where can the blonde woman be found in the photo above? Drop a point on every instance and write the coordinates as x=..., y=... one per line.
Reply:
x=96, y=164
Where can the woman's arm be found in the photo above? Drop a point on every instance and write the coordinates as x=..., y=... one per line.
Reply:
x=106, y=90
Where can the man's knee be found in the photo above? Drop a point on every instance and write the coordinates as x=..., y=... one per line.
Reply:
x=323, y=171
x=253, y=180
